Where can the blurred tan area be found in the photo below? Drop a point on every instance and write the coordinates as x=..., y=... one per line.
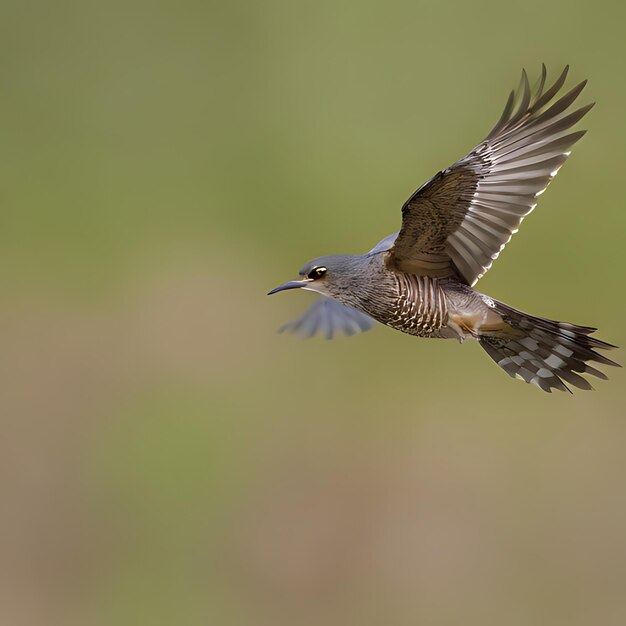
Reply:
x=166, y=457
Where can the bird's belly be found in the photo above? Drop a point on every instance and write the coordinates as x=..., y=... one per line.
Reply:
x=419, y=329
x=446, y=310
x=420, y=307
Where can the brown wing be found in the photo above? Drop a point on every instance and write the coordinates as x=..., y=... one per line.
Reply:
x=458, y=222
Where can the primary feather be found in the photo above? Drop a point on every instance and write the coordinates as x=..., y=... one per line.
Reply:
x=458, y=222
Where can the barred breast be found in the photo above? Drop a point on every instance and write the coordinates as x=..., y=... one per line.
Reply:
x=421, y=306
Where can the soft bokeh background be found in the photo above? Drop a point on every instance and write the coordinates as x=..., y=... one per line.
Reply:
x=166, y=458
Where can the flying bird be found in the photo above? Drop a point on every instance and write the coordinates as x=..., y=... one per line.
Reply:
x=420, y=280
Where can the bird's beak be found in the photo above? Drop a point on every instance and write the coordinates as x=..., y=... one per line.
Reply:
x=292, y=284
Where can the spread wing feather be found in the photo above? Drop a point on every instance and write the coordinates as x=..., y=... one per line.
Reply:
x=327, y=317
x=458, y=222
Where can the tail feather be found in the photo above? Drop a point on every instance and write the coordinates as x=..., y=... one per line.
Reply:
x=544, y=352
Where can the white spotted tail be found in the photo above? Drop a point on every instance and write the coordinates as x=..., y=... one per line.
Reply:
x=544, y=352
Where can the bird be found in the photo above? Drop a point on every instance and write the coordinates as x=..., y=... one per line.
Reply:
x=421, y=279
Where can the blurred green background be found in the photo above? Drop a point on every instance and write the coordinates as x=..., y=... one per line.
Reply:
x=166, y=457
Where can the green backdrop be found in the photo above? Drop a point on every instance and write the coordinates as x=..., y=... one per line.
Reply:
x=169, y=458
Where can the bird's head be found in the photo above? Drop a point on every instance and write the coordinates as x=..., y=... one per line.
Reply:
x=333, y=276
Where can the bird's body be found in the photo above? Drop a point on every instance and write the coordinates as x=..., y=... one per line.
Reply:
x=420, y=280
x=417, y=305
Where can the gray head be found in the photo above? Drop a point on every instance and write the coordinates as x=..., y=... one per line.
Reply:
x=335, y=275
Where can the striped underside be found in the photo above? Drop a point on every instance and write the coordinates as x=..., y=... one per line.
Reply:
x=421, y=307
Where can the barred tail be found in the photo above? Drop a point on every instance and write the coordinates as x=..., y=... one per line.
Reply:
x=544, y=352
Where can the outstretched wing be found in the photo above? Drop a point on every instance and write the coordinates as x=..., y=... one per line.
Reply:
x=458, y=222
x=328, y=317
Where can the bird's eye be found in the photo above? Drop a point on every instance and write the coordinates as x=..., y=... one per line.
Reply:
x=316, y=272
